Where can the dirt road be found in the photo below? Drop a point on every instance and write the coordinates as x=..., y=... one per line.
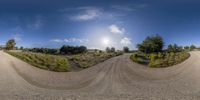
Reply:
x=115, y=79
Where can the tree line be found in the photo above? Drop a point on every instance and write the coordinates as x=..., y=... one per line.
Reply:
x=112, y=49
x=65, y=49
x=151, y=44
x=155, y=43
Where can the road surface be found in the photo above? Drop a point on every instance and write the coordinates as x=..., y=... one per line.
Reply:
x=115, y=79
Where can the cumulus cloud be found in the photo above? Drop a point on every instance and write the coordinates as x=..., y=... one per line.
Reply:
x=86, y=13
x=75, y=40
x=116, y=29
x=125, y=41
x=57, y=40
x=70, y=40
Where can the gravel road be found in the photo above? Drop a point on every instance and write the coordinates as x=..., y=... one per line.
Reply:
x=115, y=79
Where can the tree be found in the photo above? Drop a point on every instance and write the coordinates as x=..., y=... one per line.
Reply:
x=21, y=48
x=174, y=48
x=108, y=49
x=82, y=49
x=192, y=47
x=126, y=49
x=112, y=49
x=10, y=44
x=151, y=44
x=66, y=49
x=170, y=48
x=186, y=47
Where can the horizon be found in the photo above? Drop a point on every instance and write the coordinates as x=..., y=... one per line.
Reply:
x=98, y=24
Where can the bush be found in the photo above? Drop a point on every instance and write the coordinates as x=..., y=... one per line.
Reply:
x=65, y=49
x=44, y=61
x=43, y=50
x=126, y=49
x=89, y=59
x=151, y=44
x=163, y=59
x=139, y=58
x=174, y=48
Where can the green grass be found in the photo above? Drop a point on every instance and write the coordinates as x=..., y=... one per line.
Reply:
x=60, y=63
x=160, y=60
x=43, y=61
x=89, y=59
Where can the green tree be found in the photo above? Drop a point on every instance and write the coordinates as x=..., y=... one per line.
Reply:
x=21, y=48
x=112, y=49
x=192, y=47
x=66, y=49
x=108, y=49
x=186, y=47
x=126, y=49
x=174, y=48
x=151, y=44
x=10, y=44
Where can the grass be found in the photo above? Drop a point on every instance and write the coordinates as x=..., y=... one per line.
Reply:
x=43, y=61
x=160, y=60
x=60, y=63
x=89, y=59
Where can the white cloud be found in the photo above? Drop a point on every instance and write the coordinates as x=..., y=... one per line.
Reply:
x=57, y=40
x=116, y=30
x=69, y=40
x=125, y=41
x=88, y=13
x=75, y=40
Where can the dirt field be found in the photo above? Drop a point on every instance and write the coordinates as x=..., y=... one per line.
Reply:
x=115, y=79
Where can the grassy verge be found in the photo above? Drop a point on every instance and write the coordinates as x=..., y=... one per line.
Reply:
x=89, y=59
x=43, y=61
x=160, y=60
x=60, y=63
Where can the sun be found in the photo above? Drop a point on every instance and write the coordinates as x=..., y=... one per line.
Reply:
x=105, y=41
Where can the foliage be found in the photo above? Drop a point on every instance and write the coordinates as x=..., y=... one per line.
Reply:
x=186, y=47
x=161, y=59
x=126, y=49
x=151, y=44
x=112, y=49
x=89, y=59
x=66, y=49
x=10, y=44
x=44, y=61
x=21, y=48
x=43, y=50
x=139, y=58
x=108, y=49
x=174, y=48
x=192, y=47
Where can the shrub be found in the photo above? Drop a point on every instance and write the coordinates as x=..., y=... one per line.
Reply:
x=164, y=59
x=44, y=61
x=10, y=44
x=91, y=58
x=43, y=50
x=126, y=49
x=151, y=44
x=66, y=49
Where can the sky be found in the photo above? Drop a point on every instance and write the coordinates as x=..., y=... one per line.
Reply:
x=98, y=23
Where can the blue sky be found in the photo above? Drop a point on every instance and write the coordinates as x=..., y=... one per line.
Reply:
x=98, y=23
